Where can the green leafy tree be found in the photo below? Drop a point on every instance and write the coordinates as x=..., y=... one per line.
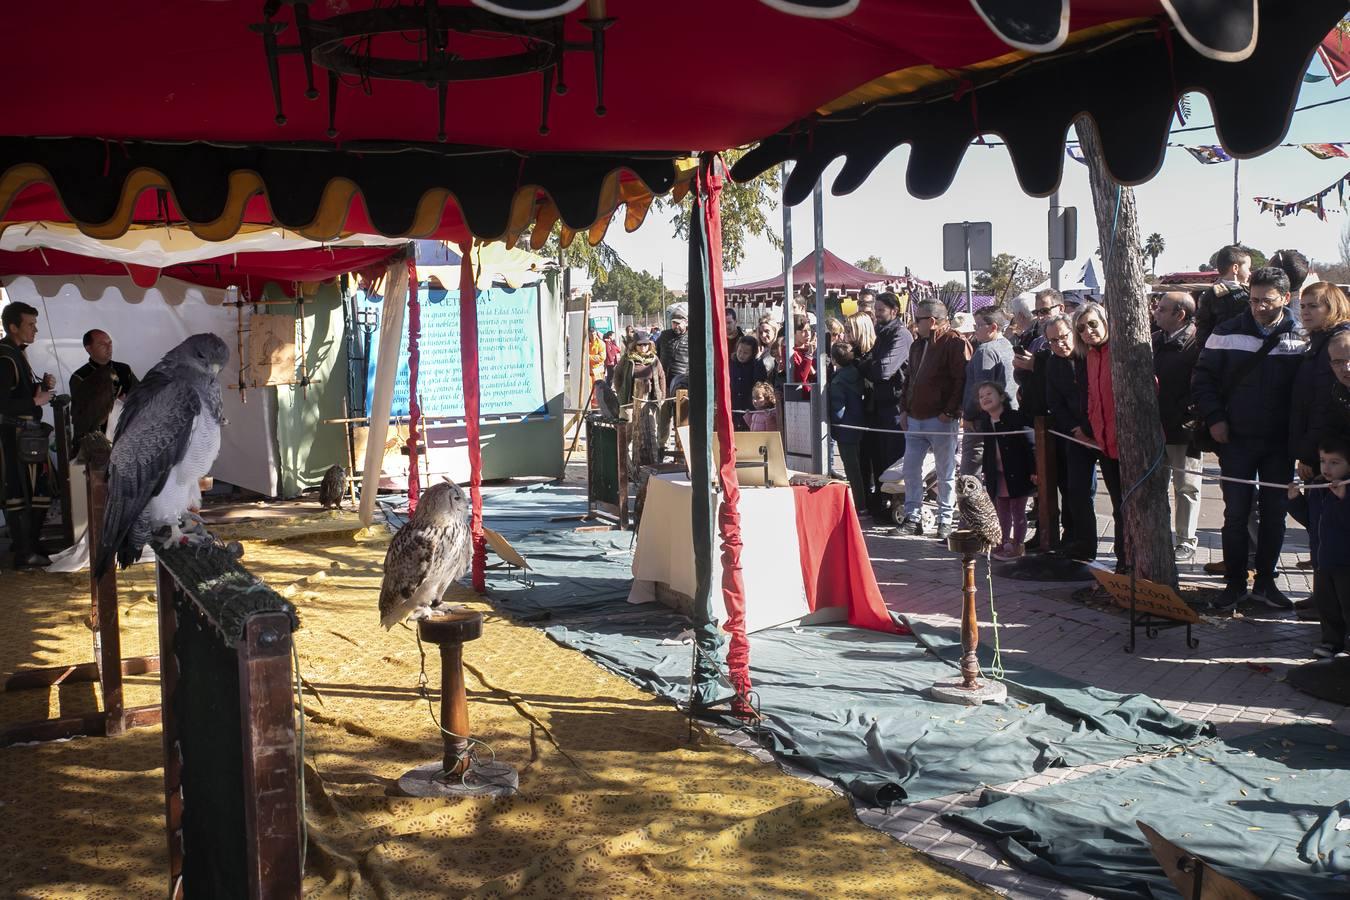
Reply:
x=637, y=293
x=598, y=261
x=745, y=212
x=1008, y=276
x=1153, y=248
x=872, y=264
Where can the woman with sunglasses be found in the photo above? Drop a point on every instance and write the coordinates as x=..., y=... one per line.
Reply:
x=1090, y=327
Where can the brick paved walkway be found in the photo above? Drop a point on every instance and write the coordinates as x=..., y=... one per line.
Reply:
x=1234, y=678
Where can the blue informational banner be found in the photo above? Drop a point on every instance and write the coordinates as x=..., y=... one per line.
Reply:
x=510, y=369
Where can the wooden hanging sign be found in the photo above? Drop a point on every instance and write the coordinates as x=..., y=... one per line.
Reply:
x=1149, y=598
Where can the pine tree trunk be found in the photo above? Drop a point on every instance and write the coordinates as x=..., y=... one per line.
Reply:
x=1148, y=527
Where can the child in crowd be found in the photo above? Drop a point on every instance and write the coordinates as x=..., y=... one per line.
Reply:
x=846, y=388
x=745, y=372
x=764, y=415
x=1009, y=466
x=1325, y=512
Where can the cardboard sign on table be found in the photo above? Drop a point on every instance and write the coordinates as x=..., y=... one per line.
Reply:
x=750, y=447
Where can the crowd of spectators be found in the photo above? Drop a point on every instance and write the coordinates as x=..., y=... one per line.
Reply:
x=1254, y=369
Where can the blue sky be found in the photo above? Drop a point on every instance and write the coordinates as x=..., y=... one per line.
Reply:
x=1188, y=203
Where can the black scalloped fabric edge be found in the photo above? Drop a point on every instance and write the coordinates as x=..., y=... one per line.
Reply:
x=89, y=175
x=1126, y=84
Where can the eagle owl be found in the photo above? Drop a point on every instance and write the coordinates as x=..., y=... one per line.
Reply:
x=331, y=489
x=427, y=555
x=977, y=510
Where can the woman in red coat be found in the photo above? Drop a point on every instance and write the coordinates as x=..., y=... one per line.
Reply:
x=1091, y=327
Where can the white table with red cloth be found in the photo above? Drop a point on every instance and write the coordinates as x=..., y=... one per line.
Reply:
x=802, y=553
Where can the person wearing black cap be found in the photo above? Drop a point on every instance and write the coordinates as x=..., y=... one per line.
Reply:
x=883, y=367
x=672, y=348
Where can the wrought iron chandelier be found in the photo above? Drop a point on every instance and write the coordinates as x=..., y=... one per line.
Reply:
x=344, y=45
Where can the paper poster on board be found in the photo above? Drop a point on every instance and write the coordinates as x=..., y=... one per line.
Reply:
x=510, y=364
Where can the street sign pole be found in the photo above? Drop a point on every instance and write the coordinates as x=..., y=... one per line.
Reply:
x=970, y=298
x=967, y=246
x=1055, y=264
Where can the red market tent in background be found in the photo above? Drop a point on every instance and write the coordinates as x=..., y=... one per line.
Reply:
x=225, y=122
x=840, y=276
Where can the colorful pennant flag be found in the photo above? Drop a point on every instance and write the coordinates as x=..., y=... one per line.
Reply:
x=1209, y=154
x=1335, y=53
x=1325, y=151
x=1075, y=153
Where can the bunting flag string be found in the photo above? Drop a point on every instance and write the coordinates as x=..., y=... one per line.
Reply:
x=1315, y=203
x=1210, y=154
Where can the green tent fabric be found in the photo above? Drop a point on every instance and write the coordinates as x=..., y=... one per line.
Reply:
x=1265, y=810
x=305, y=446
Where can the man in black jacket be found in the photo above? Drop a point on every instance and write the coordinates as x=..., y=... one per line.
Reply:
x=119, y=378
x=882, y=366
x=1241, y=391
x=21, y=400
x=1066, y=406
x=672, y=348
x=1175, y=352
x=1228, y=297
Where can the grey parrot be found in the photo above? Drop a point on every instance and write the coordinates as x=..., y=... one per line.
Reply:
x=166, y=441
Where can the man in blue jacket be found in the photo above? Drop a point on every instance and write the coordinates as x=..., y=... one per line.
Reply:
x=1241, y=389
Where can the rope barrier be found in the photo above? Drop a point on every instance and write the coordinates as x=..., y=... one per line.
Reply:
x=1208, y=475
x=1028, y=431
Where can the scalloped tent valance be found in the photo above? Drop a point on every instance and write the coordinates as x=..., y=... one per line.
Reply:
x=1126, y=79
x=194, y=140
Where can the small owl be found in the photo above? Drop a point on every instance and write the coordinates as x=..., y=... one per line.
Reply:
x=644, y=441
x=977, y=510
x=333, y=487
x=427, y=555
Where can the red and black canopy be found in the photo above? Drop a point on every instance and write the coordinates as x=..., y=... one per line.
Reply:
x=166, y=111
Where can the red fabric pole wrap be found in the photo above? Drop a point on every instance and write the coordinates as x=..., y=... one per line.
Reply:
x=468, y=353
x=728, y=512
x=414, y=405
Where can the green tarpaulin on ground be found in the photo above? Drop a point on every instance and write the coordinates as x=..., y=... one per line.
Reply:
x=1268, y=810
x=843, y=702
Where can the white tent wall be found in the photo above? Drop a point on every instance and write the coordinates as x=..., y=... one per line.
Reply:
x=144, y=323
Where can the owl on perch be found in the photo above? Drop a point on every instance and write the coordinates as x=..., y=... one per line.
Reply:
x=977, y=510
x=427, y=555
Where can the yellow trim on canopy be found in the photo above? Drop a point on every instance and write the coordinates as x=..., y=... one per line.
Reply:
x=916, y=78
x=529, y=205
